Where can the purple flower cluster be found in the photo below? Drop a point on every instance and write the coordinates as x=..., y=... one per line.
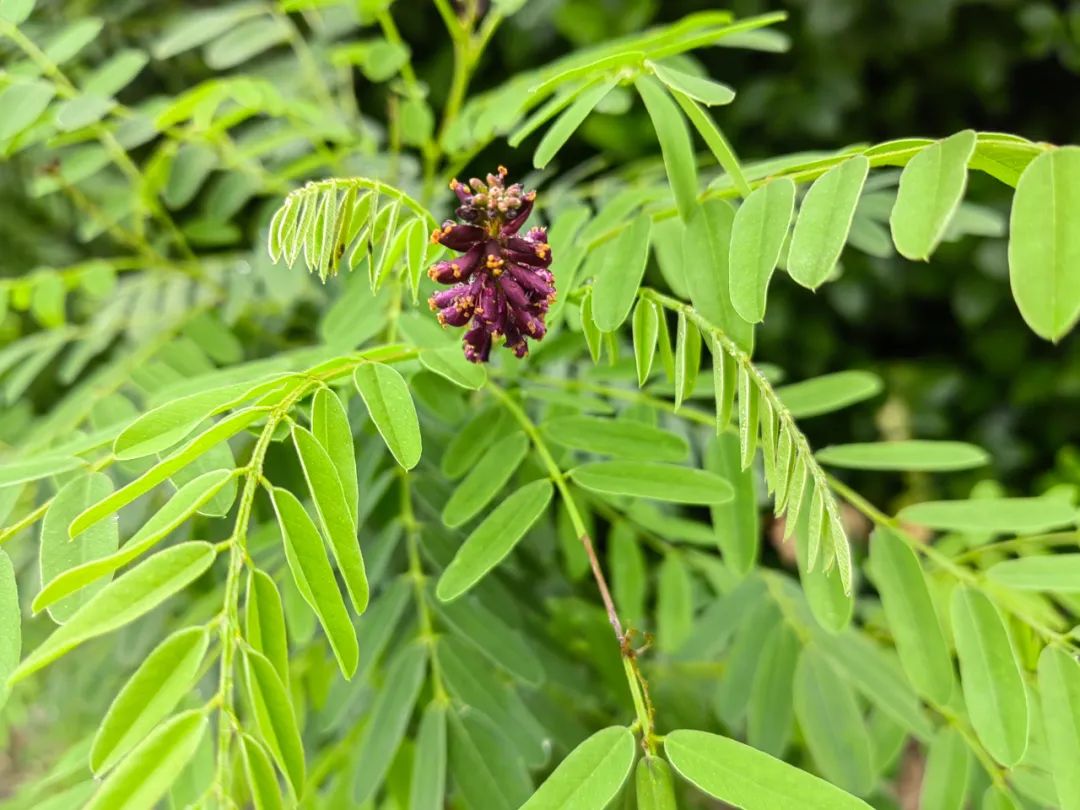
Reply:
x=502, y=283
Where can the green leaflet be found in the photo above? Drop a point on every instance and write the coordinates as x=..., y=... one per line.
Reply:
x=828, y=393
x=911, y=616
x=629, y=581
x=387, y=398
x=489, y=773
x=165, y=469
x=590, y=776
x=589, y=329
x=33, y=469
x=824, y=220
x=649, y=479
x=645, y=330
x=757, y=235
x=452, y=365
x=428, y=782
x=484, y=481
x=771, y=709
x=145, y=776
x=654, y=786
x=931, y=188
x=162, y=680
x=568, y=122
x=376, y=627
x=335, y=516
x=832, y=723
x=912, y=455
x=620, y=275
x=830, y=605
x=274, y=718
x=674, y=603
x=494, y=538
x=994, y=690
x=310, y=567
x=264, y=626
x=259, y=771
x=948, y=765
x=616, y=437
x=1059, y=684
x=123, y=600
x=330, y=425
x=735, y=523
x=21, y=103
x=675, y=145
x=743, y=656
x=1056, y=573
x=687, y=357
x=10, y=623
x=1044, y=242
x=469, y=442
x=995, y=515
x=176, y=510
x=706, y=91
x=715, y=140
x=389, y=719
x=58, y=553
x=738, y=774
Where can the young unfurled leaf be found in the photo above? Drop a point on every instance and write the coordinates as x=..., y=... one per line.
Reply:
x=1059, y=684
x=331, y=504
x=330, y=425
x=486, y=479
x=650, y=479
x=912, y=455
x=735, y=524
x=771, y=712
x=948, y=762
x=123, y=600
x=275, y=718
x=654, y=786
x=616, y=437
x=570, y=119
x=162, y=680
x=824, y=220
x=148, y=772
x=428, y=784
x=757, y=235
x=58, y=553
x=645, y=330
x=590, y=776
x=1044, y=242
x=264, y=628
x=589, y=329
x=259, y=771
x=314, y=577
x=997, y=515
x=911, y=616
x=738, y=774
x=748, y=417
x=706, y=91
x=674, y=603
x=494, y=538
x=675, y=143
x=725, y=382
x=829, y=601
x=1055, y=573
x=828, y=393
x=617, y=282
x=994, y=691
x=931, y=187
x=687, y=357
x=387, y=397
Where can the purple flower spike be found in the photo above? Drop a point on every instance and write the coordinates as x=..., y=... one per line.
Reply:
x=502, y=287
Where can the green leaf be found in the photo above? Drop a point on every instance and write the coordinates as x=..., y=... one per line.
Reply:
x=645, y=329
x=59, y=554
x=771, y=710
x=620, y=275
x=829, y=602
x=259, y=771
x=735, y=523
x=1056, y=573
x=452, y=365
x=931, y=188
x=616, y=437
x=997, y=799
x=123, y=600
x=832, y=723
x=649, y=479
x=824, y=221
x=654, y=785
x=264, y=627
x=192, y=165
x=590, y=776
x=915, y=455
x=675, y=143
x=737, y=774
x=335, y=517
x=674, y=603
x=494, y=538
x=274, y=718
x=33, y=469
x=387, y=398
x=735, y=688
x=82, y=111
x=589, y=328
x=1044, y=243
x=568, y=122
x=687, y=357
x=17, y=11
x=470, y=442
x=757, y=235
x=10, y=623
x=829, y=392
x=993, y=687
x=997, y=515
x=178, y=509
x=948, y=765
x=246, y=41
x=310, y=567
x=706, y=91
x=489, y=774
x=330, y=425
x=194, y=28
x=428, y=783
x=146, y=775
x=910, y=613
x=486, y=479
x=389, y=718
x=21, y=104
x=725, y=377
x=628, y=574
x=715, y=140
x=162, y=680
x=1059, y=685
x=165, y=469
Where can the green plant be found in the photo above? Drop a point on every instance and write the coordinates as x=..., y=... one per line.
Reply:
x=549, y=544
